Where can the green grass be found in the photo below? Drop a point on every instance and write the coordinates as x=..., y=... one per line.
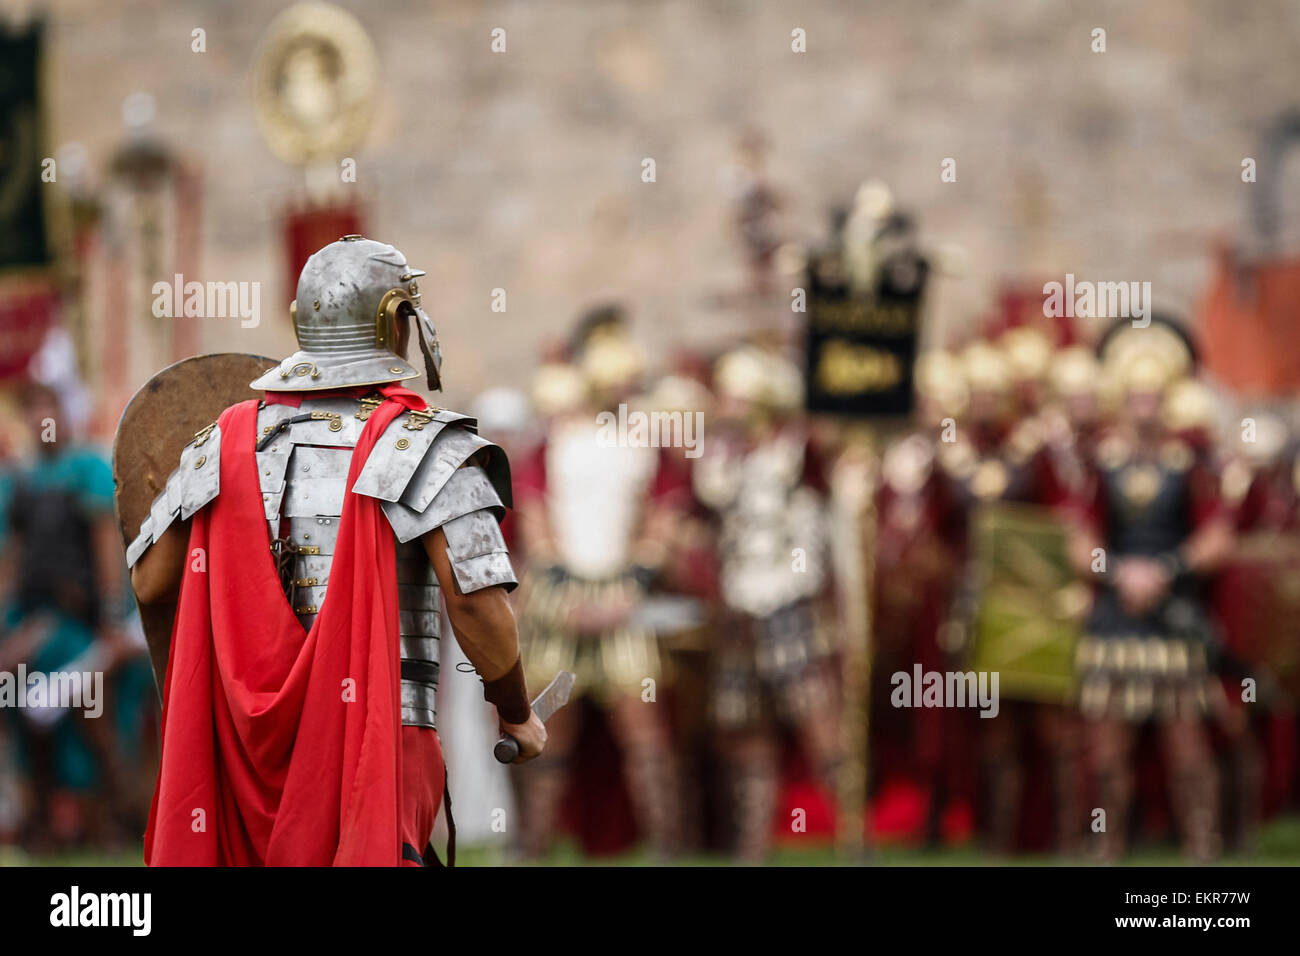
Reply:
x=1278, y=845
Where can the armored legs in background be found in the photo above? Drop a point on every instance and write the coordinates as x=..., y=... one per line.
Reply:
x=1193, y=783
x=612, y=668
x=1055, y=729
x=772, y=669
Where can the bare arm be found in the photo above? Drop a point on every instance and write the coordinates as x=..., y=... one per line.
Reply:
x=157, y=575
x=484, y=626
x=483, y=621
x=1211, y=545
x=1080, y=548
x=108, y=557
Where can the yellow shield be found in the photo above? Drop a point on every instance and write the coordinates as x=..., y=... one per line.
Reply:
x=1030, y=604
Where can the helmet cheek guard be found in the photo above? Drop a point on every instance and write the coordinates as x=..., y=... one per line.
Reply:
x=431, y=349
x=398, y=303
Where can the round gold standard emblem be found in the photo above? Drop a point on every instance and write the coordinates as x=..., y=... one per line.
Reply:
x=314, y=83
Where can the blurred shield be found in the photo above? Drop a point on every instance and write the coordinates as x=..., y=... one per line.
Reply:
x=160, y=420
x=1030, y=604
x=1258, y=601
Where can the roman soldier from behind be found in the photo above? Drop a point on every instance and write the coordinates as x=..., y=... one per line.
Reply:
x=312, y=535
x=1148, y=539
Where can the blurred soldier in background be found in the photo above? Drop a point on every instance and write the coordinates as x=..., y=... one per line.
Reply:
x=596, y=535
x=1029, y=352
x=996, y=455
x=992, y=456
x=1256, y=601
x=1190, y=415
x=1151, y=533
x=915, y=571
x=773, y=662
x=1072, y=424
x=686, y=587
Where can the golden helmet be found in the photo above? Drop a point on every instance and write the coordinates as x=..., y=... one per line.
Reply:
x=753, y=375
x=1147, y=358
x=1076, y=371
x=939, y=377
x=1189, y=404
x=557, y=387
x=1029, y=352
x=1146, y=372
x=985, y=368
x=611, y=361
x=676, y=393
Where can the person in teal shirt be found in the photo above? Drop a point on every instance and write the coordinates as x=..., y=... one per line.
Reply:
x=65, y=608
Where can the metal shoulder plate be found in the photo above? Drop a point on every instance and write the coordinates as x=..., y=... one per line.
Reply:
x=449, y=478
x=417, y=455
x=195, y=482
x=402, y=449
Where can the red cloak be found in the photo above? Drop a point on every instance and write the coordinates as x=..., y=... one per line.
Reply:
x=279, y=746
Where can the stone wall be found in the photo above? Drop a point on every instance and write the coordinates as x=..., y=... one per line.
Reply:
x=522, y=170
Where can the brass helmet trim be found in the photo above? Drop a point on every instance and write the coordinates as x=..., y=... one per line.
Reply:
x=390, y=307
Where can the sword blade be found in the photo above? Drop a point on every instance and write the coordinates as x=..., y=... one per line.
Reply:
x=554, y=697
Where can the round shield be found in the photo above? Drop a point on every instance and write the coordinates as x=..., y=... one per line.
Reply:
x=160, y=420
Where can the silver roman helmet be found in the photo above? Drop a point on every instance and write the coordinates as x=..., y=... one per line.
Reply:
x=353, y=296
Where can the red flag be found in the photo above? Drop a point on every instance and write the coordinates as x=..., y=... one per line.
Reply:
x=1249, y=320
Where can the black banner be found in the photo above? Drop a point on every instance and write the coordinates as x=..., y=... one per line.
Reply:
x=23, y=240
x=861, y=347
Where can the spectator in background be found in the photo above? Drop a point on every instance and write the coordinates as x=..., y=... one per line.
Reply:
x=61, y=613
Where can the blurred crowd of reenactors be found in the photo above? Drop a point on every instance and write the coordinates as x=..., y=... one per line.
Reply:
x=1076, y=510
x=1069, y=516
